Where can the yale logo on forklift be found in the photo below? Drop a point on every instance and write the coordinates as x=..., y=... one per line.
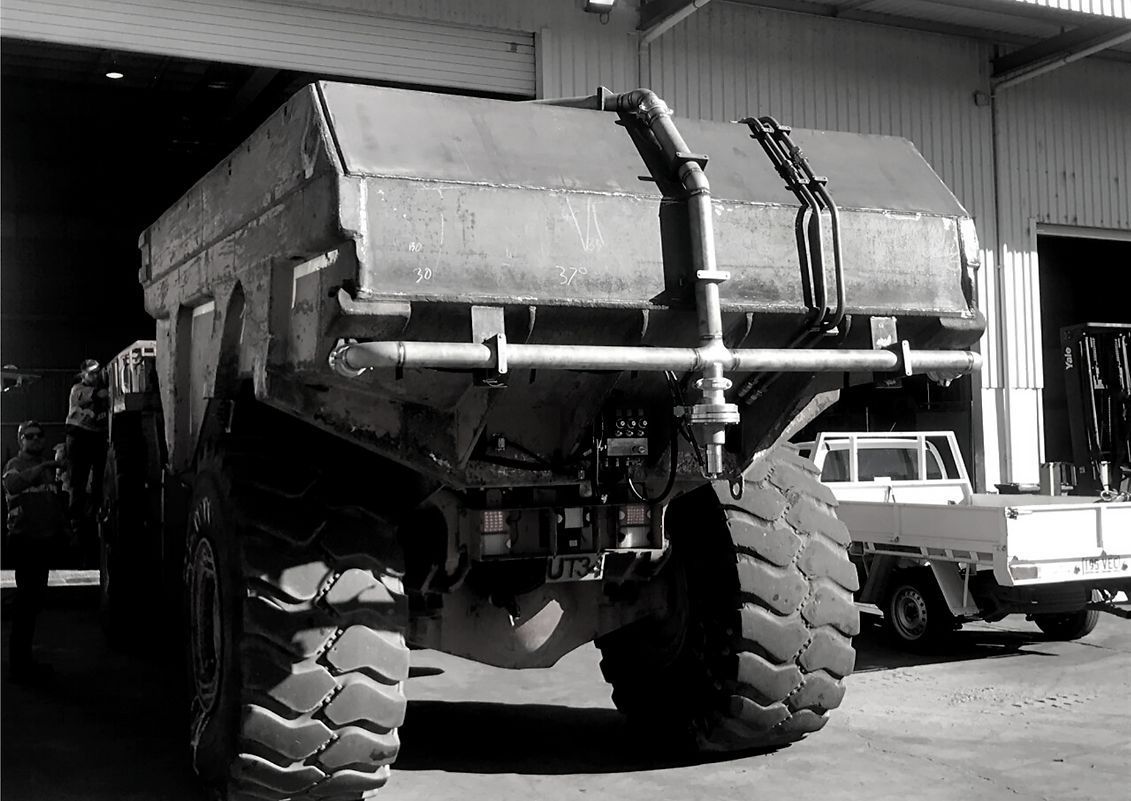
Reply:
x=574, y=567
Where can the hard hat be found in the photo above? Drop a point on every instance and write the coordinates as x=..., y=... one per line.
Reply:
x=26, y=424
x=89, y=366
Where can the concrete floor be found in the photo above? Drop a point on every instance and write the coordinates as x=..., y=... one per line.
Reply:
x=1006, y=715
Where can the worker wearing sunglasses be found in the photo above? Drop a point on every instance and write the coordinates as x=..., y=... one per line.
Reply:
x=36, y=531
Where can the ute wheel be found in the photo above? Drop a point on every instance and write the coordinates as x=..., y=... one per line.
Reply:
x=122, y=575
x=756, y=641
x=1069, y=625
x=915, y=613
x=296, y=652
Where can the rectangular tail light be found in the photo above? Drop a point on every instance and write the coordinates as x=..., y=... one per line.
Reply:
x=1024, y=572
x=493, y=521
x=635, y=514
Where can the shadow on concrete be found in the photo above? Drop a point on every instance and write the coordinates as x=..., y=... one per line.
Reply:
x=875, y=651
x=109, y=726
x=106, y=726
x=532, y=739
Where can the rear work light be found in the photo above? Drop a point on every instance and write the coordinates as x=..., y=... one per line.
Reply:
x=493, y=521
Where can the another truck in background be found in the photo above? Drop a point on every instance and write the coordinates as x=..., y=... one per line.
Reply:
x=932, y=554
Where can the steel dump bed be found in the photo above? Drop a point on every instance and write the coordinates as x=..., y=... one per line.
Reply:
x=381, y=214
x=491, y=200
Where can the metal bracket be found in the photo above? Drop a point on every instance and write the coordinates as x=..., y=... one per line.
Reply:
x=682, y=158
x=377, y=319
x=715, y=276
x=884, y=333
x=905, y=350
x=489, y=328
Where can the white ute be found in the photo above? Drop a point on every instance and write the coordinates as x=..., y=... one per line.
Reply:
x=932, y=554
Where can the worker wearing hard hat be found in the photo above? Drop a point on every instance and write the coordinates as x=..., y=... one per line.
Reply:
x=86, y=445
x=36, y=532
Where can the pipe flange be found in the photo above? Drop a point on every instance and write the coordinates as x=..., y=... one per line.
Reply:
x=708, y=413
x=720, y=384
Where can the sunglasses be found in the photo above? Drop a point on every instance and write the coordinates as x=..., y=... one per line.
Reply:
x=34, y=435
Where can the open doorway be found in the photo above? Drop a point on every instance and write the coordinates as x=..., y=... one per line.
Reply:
x=1082, y=280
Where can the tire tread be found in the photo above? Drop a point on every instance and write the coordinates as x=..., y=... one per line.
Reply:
x=776, y=668
x=322, y=650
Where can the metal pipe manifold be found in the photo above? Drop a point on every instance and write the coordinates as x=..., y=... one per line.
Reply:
x=352, y=358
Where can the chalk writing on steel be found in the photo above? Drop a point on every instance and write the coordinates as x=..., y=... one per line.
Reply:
x=591, y=237
x=567, y=274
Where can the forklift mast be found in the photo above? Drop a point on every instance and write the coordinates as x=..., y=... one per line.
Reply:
x=1097, y=373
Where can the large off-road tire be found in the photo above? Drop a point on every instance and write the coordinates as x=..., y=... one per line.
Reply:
x=916, y=616
x=128, y=578
x=296, y=650
x=754, y=647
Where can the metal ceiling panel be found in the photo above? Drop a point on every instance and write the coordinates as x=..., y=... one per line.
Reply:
x=1036, y=9
x=1119, y=9
x=1007, y=21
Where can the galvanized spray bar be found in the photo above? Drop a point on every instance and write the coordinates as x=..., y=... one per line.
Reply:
x=712, y=414
x=353, y=358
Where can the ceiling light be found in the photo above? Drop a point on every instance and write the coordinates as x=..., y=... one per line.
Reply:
x=599, y=6
x=115, y=75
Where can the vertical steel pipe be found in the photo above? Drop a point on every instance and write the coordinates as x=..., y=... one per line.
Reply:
x=712, y=414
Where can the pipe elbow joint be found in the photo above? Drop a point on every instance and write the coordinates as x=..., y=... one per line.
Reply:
x=644, y=103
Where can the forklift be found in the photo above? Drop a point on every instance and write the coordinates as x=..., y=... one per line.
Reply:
x=1097, y=373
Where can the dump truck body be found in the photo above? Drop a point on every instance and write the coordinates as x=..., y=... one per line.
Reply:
x=507, y=377
x=377, y=214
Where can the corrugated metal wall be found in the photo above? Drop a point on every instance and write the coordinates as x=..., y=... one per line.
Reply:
x=260, y=33
x=1064, y=158
x=576, y=51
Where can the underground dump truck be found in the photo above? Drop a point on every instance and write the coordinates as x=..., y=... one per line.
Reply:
x=502, y=379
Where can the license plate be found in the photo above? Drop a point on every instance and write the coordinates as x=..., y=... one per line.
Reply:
x=574, y=567
x=1101, y=564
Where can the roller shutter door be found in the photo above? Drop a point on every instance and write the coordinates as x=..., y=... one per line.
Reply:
x=258, y=33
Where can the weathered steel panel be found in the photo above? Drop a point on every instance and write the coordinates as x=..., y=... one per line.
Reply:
x=328, y=224
x=287, y=151
x=392, y=133
x=510, y=245
x=491, y=208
